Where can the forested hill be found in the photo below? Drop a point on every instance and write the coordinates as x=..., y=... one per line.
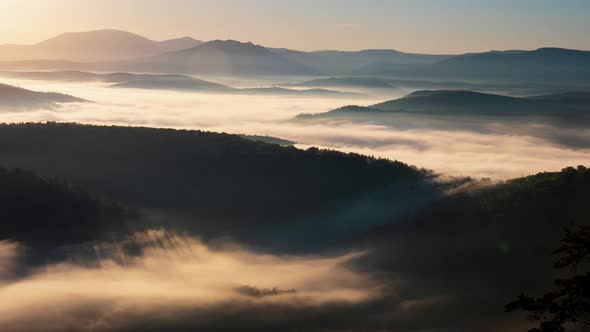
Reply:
x=219, y=181
x=471, y=103
x=483, y=246
x=46, y=212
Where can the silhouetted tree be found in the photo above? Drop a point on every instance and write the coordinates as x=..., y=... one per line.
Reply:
x=570, y=303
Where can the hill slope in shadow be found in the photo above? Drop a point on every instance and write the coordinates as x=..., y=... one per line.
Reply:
x=18, y=99
x=219, y=183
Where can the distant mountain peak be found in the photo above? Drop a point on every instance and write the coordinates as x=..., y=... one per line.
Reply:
x=98, y=32
x=94, y=46
x=93, y=35
x=231, y=57
x=232, y=43
x=185, y=38
x=229, y=46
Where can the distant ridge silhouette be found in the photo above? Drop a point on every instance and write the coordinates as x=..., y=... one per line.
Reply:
x=18, y=99
x=231, y=57
x=116, y=50
x=453, y=102
x=98, y=45
x=541, y=65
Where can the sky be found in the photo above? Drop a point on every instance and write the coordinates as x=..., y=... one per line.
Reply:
x=426, y=26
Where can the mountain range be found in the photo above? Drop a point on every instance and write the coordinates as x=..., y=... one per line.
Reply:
x=540, y=65
x=113, y=50
x=341, y=62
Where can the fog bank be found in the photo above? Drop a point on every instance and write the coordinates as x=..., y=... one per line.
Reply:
x=495, y=150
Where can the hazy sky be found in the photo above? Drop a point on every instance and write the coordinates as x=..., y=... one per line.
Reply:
x=432, y=26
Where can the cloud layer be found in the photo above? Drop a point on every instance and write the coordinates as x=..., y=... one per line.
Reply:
x=458, y=147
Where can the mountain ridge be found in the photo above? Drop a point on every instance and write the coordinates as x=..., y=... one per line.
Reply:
x=229, y=57
x=466, y=102
x=95, y=45
x=553, y=64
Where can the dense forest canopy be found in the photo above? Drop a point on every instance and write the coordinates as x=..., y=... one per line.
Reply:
x=47, y=212
x=216, y=181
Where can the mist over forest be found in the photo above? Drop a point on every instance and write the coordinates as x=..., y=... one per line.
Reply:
x=223, y=185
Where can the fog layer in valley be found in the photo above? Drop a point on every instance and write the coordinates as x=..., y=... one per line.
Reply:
x=491, y=148
x=174, y=280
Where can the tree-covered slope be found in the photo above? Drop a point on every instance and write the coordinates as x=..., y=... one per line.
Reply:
x=218, y=180
x=47, y=212
x=482, y=246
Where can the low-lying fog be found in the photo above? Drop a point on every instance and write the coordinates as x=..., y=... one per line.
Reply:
x=498, y=151
x=177, y=281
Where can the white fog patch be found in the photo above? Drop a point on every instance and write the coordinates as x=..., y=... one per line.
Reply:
x=466, y=153
x=498, y=153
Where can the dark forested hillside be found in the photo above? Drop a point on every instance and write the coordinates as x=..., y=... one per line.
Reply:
x=481, y=247
x=457, y=258
x=216, y=180
x=46, y=212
